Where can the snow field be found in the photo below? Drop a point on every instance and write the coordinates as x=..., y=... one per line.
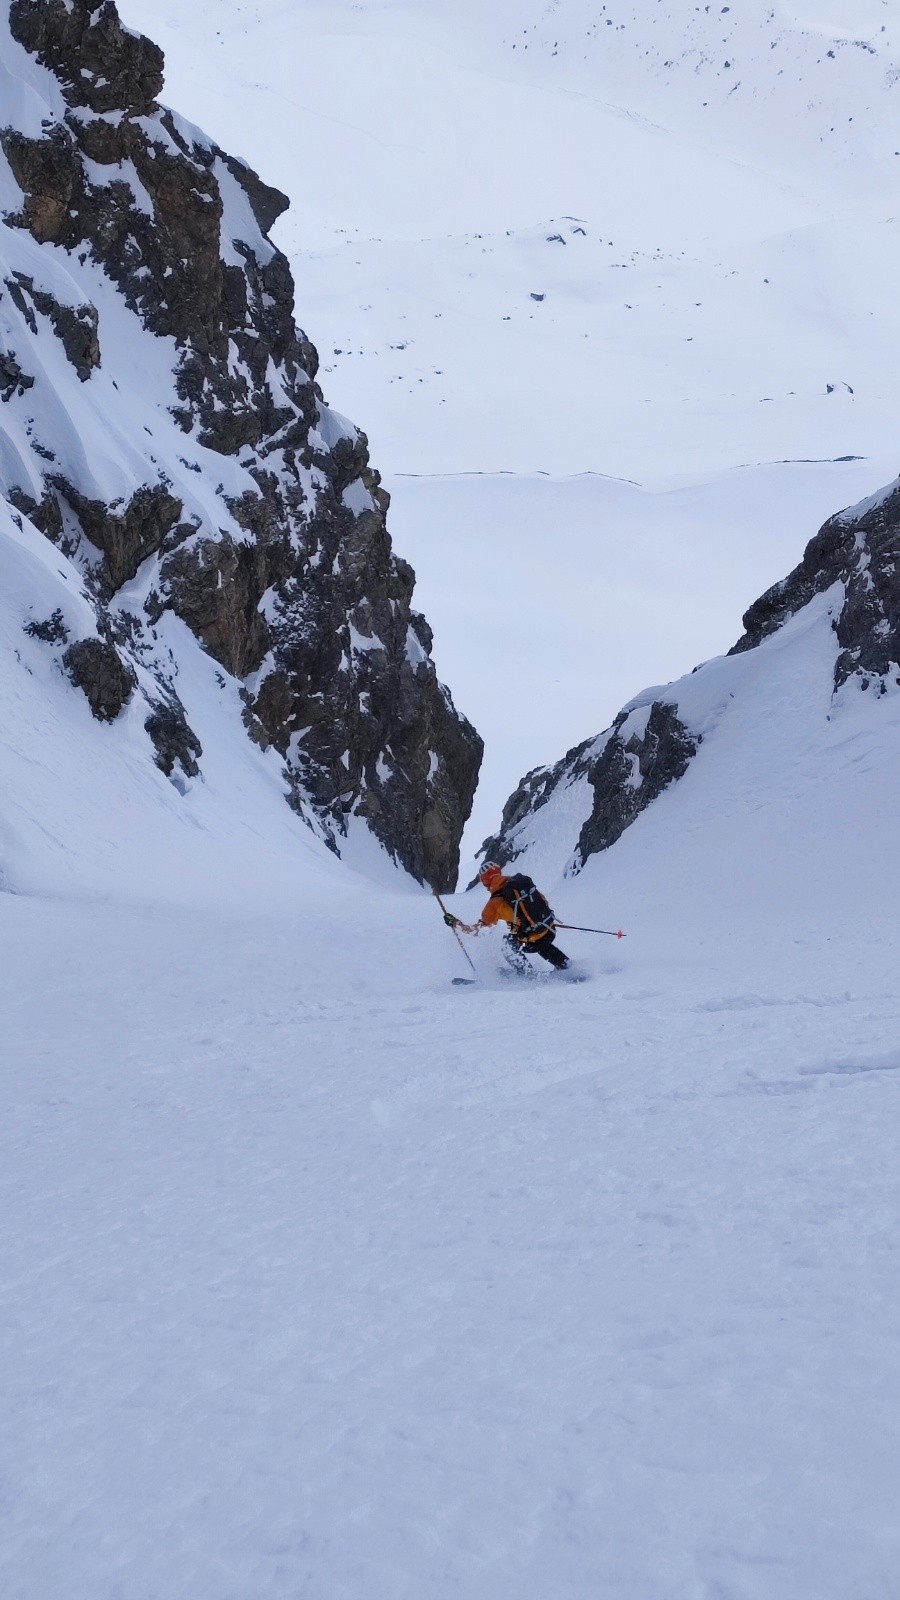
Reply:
x=324, y=1278
x=731, y=264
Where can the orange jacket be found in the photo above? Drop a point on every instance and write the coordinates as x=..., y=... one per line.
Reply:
x=497, y=910
x=500, y=910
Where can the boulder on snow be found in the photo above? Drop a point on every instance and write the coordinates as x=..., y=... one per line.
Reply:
x=174, y=741
x=96, y=667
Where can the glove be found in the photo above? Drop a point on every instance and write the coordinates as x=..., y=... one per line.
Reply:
x=450, y=919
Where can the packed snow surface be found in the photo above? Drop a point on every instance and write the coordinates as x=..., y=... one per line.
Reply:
x=325, y=1279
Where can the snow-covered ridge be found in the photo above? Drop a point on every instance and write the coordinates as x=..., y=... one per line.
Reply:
x=163, y=427
x=841, y=603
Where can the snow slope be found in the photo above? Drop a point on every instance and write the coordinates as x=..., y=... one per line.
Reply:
x=324, y=1278
x=728, y=305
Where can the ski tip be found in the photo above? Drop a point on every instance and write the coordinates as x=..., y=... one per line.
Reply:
x=620, y=934
x=463, y=983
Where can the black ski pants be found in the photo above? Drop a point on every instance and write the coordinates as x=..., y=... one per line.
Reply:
x=546, y=947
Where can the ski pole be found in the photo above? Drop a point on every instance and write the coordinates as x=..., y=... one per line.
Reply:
x=453, y=931
x=610, y=932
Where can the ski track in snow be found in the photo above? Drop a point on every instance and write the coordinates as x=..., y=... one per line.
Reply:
x=331, y=1280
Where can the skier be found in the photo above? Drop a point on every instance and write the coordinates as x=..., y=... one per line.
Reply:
x=517, y=901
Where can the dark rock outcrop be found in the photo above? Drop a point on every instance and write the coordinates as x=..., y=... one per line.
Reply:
x=860, y=550
x=95, y=666
x=101, y=66
x=12, y=379
x=630, y=773
x=649, y=747
x=127, y=536
x=625, y=769
x=50, y=630
x=290, y=583
x=74, y=326
x=174, y=741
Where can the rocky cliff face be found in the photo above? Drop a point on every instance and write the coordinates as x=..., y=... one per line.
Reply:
x=603, y=785
x=620, y=773
x=858, y=549
x=163, y=426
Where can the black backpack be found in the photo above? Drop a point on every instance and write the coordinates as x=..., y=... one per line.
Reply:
x=532, y=912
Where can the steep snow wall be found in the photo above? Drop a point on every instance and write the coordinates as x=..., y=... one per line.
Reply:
x=162, y=426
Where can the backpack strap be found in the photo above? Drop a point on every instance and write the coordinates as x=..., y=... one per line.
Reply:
x=533, y=930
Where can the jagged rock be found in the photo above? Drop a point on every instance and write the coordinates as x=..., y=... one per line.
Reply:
x=267, y=204
x=630, y=772
x=44, y=513
x=290, y=582
x=49, y=173
x=12, y=379
x=100, y=65
x=96, y=667
x=859, y=549
x=627, y=768
x=126, y=537
x=174, y=741
x=52, y=630
x=74, y=326
x=215, y=586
